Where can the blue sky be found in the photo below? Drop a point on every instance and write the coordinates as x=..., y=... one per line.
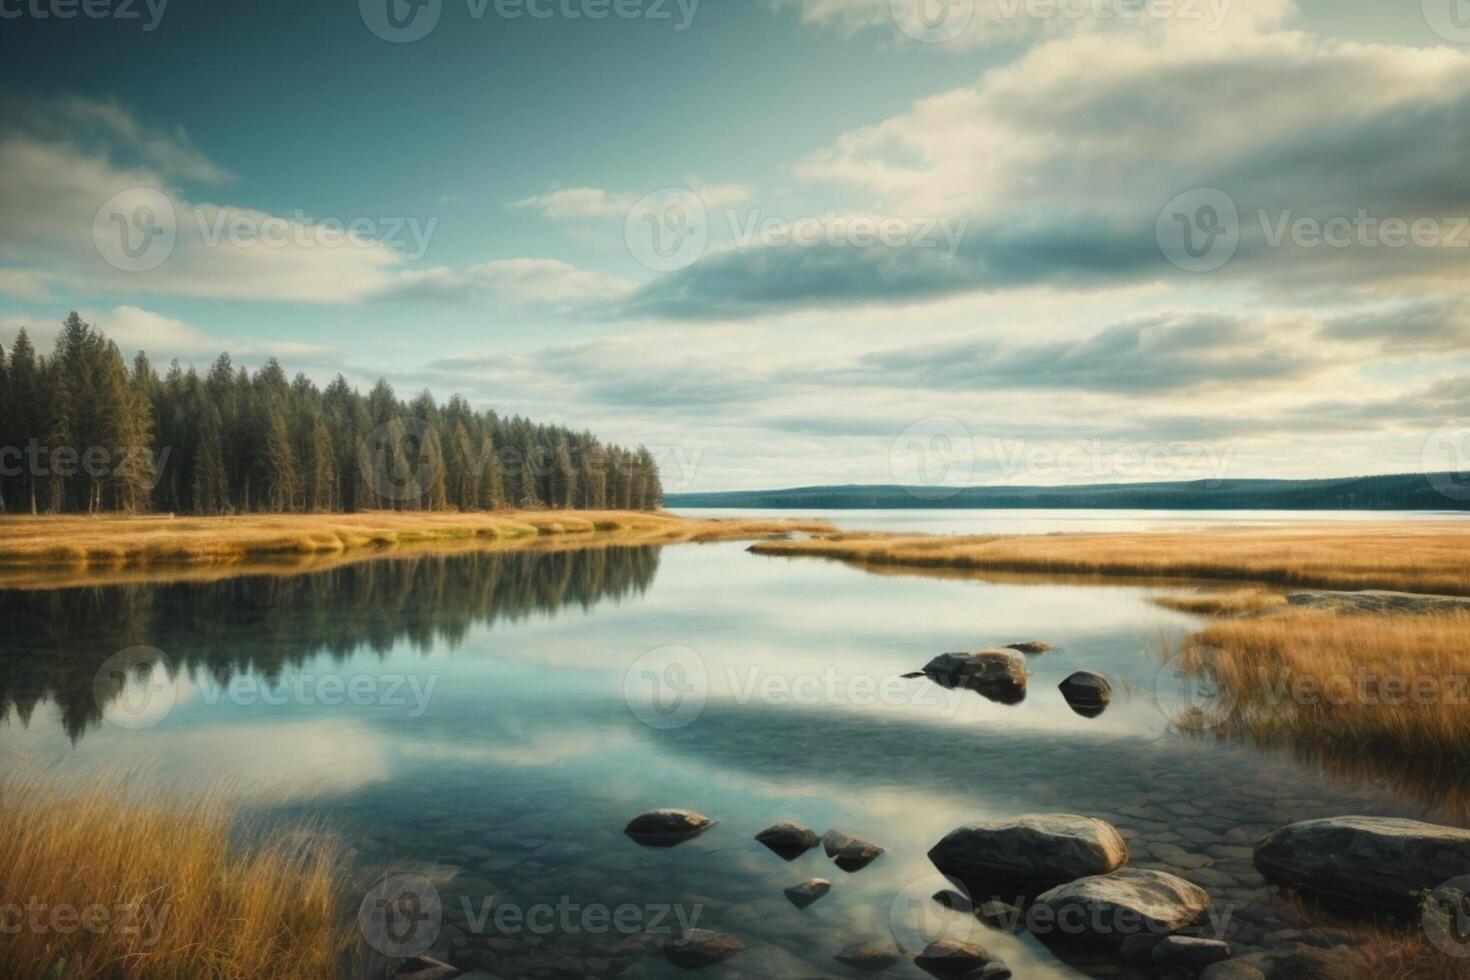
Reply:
x=1025, y=320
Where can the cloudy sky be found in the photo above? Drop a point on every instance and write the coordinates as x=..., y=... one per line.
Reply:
x=782, y=242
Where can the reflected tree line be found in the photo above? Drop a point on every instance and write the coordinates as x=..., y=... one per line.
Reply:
x=269, y=625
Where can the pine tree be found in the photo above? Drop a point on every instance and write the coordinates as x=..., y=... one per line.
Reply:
x=563, y=478
x=320, y=469
x=278, y=464
x=26, y=415
x=209, y=485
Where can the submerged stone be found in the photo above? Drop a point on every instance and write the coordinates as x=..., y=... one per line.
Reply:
x=667, y=827
x=789, y=840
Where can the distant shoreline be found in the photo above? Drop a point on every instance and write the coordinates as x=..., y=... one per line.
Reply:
x=1410, y=491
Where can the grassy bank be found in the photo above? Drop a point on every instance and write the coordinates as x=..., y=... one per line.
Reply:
x=1354, y=682
x=1427, y=556
x=104, y=884
x=114, y=542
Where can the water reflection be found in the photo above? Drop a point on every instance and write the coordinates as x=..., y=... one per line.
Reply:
x=518, y=781
x=269, y=625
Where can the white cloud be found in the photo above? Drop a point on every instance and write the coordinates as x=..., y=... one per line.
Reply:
x=592, y=203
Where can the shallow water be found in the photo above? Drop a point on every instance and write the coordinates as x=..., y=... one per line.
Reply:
x=505, y=715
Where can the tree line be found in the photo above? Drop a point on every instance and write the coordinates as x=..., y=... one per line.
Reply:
x=82, y=431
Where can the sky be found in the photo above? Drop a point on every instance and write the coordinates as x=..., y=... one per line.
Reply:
x=781, y=242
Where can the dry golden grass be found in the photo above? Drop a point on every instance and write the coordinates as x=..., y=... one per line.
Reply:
x=157, y=891
x=1375, y=683
x=1381, y=950
x=1380, y=954
x=114, y=541
x=1412, y=556
x=1232, y=602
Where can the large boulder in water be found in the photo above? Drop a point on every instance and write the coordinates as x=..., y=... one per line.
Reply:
x=1044, y=849
x=998, y=674
x=1106, y=909
x=667, y=827
x=1369, y=861
x=1379, y=601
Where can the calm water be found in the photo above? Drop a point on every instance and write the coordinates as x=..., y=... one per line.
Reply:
x=1055, y=521
x=492, y=721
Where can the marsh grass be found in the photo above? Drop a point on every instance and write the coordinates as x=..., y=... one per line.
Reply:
x=1411, y=556
x=116, y=542
x=163, y=891
x=1225, y=602
x=1375, y=683
x=1377, y=950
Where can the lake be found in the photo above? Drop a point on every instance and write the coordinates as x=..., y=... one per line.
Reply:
x=488, y=723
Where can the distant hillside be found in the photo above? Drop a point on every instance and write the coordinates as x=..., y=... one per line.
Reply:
x=1409, y=491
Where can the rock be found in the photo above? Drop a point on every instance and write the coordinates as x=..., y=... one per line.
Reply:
x=789, y=840
x=1231, y=970
x=808, y=892
x=1139, y=948
x=665, y=828
x=1106, y=909
x=848, y=852
x=951, y=957
x=1030, y=646
x=1364, y=860
x=424, y=968
x=872, y=956
x=1190, y=954
x=1000, y=915
x=998, y=674
x=1044, y=849
x=994, y=970
x=1087, y=693
x=701, y=947
x=951, y=899
x=1379, y=601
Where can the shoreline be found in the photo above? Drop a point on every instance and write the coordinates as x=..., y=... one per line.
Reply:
x=1408, y=556
x=116, y=543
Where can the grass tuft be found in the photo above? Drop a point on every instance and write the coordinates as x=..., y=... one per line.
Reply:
x=107, y=884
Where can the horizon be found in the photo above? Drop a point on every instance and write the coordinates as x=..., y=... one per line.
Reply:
x=789, y=243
